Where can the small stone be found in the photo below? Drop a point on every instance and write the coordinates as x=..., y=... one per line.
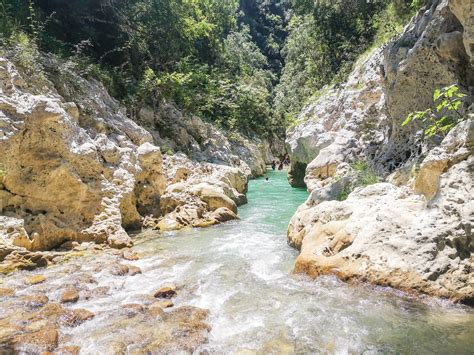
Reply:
x=77, y=317
x=68, y=350
x=119, y=269
x=120, y=241
x=43, y=340
x=7, y=292
x=134, y=270
x=167, y=292
x=162, y=304
x=36, y=279
x=130, y=255
x=133, y=309
x=34, y=301
x=71, y=295
x=97, y=292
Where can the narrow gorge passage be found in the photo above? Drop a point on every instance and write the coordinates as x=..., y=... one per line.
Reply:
x=241, y=272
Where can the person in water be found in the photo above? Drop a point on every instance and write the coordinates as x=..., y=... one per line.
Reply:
x=280, y=167
x=273, y=165
x=267, y=179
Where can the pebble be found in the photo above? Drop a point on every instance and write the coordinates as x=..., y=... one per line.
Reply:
x=6, y=292
x=36, y=279
x=34, y=301
x=42, y=340
x=134, y=270
x=168, y=292
x=130, y=255
x=70, y=295
x=119, y=269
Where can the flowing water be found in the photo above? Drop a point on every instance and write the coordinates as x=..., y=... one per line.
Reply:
x=241, y=272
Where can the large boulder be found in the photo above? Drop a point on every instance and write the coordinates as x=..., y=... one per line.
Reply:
x=390, y=235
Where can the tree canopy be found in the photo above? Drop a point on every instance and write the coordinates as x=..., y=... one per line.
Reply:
x=246, y=65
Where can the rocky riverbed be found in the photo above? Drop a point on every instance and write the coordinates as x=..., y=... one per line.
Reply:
x=225, y=289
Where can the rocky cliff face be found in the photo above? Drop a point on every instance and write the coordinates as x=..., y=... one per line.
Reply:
x=362, y=117
x=73, y=167
x=176, y=131
x=414, y=230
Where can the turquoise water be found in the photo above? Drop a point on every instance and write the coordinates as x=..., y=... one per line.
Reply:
x=241, y=272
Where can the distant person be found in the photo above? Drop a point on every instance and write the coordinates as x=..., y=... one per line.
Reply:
x=273, y=165
x=267, y=179
x=280, y=167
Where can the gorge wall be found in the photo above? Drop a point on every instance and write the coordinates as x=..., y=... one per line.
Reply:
x=74, y=167
x=412, y=231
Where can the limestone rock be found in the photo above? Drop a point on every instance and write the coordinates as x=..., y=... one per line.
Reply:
x=35, y=279
x=168, y=291
x=413, y=233
x=223, y=214
x=388, y=235
x=361, y=119
x=37, y=342
x=457, y=146
x=76, y=169
x=70, y=295
x=173, y=130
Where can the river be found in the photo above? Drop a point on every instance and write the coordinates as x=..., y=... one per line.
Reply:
x=241, y=272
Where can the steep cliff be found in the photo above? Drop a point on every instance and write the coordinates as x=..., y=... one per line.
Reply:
x=74, y=167
x=414, y=230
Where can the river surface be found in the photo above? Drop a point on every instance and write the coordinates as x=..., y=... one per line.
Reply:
x=241, y=272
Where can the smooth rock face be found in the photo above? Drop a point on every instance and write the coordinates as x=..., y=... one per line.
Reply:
x=413, y=232
x=70, y=295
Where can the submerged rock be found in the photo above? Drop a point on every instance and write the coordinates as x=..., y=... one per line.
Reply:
x=168, y=291
x=37, y=342
x=4, y=292
x=35, y=301
x=70, y=295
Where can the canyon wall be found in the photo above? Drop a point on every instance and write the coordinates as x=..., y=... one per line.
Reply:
x=411, y=227
x=74, y=167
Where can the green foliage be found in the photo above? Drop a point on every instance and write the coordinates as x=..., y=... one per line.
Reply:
x=327, y=37
x=441, y=118
x=246, y=65
x=25, y=53
x=344, y=194
x=366, y=176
